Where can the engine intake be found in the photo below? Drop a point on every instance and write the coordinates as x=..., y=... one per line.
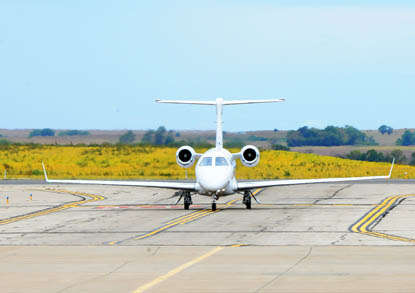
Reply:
x=185, y=156
x=250, y=156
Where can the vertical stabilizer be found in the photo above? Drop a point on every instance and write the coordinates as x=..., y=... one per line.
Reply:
x=219, y=130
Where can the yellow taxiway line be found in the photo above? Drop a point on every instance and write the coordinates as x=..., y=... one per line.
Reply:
x=183, y=220
x=177, y=270
x=365, y=224
x=54, y=209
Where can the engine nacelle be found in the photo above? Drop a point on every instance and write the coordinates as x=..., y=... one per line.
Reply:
x=185, y=156
x=249, y=156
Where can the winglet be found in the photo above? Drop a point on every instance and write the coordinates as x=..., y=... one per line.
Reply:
x=44, y=171
x=390, y=172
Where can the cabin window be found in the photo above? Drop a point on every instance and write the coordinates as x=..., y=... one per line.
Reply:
x=221, y=161
x=206, y=161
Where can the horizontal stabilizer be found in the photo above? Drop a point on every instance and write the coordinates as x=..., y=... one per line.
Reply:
x=240, y=102
x=187, y=102
x=219, y=100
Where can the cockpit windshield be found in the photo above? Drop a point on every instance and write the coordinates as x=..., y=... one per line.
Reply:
x=221, y=161
x=206, y=161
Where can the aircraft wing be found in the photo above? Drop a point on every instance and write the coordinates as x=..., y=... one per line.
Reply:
x=155, y=184
x=270, y=183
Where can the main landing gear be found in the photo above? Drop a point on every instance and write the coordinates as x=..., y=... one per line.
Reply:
x=187, y=199
x=247, y=199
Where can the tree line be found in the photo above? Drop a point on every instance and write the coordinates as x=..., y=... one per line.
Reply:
x=51, y=132
x=330, y=136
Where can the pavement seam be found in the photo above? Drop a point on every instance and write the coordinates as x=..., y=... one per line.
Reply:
x=96, y=277
x=287, y=270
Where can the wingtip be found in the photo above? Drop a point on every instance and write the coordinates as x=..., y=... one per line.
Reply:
x=44, y=171
x=390, y=172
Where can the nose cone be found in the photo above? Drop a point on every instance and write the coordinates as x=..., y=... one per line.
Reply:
x=213, y=179
x=213, y=183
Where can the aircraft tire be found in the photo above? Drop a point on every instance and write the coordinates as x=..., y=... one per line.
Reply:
x=213, y=206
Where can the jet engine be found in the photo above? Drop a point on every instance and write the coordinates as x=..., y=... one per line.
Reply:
x=249, y=156
x=185, y=156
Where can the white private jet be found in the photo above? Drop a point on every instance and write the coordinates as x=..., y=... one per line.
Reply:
x=215, y=169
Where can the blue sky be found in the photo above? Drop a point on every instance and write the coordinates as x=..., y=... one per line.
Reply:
x=101, y=64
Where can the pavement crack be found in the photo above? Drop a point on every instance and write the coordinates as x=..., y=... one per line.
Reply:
x=53, y=228
x=286, y=271
x=333, y=195
x=342, y=238
x=95, y=277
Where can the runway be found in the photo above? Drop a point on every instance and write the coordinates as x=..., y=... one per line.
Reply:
x=316, y=238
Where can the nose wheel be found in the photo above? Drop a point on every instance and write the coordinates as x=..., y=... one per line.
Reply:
x=213, y=206
x=214, y=198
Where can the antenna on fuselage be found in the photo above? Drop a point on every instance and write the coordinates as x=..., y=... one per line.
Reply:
x=219, y=103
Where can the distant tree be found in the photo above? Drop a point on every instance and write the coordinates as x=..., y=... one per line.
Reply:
x=280, y=147
x=169, y=140
x=412, y=159
x=47, y=132
x=159, y=137
x=127, y=138
x=399, y=156
x=355, y=155
x=408, y=138
x=4, y=142
x=35, y=132
x=384, y=129
x=73, y=132
x=276, y=130
x=42, y=132
x=148, y=137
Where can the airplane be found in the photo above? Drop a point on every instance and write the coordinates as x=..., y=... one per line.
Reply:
x=215, y=169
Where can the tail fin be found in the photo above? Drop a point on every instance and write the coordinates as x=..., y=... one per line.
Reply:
x=219, y=103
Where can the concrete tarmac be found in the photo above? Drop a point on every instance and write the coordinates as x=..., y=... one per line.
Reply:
x=310, y=238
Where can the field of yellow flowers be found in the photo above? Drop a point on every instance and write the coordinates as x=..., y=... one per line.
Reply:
x=139, y=162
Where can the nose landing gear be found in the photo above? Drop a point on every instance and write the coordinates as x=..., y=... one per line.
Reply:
x=214, y=199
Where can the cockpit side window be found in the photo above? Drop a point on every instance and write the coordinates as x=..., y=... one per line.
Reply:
x=221, y=161
x=206, y=161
